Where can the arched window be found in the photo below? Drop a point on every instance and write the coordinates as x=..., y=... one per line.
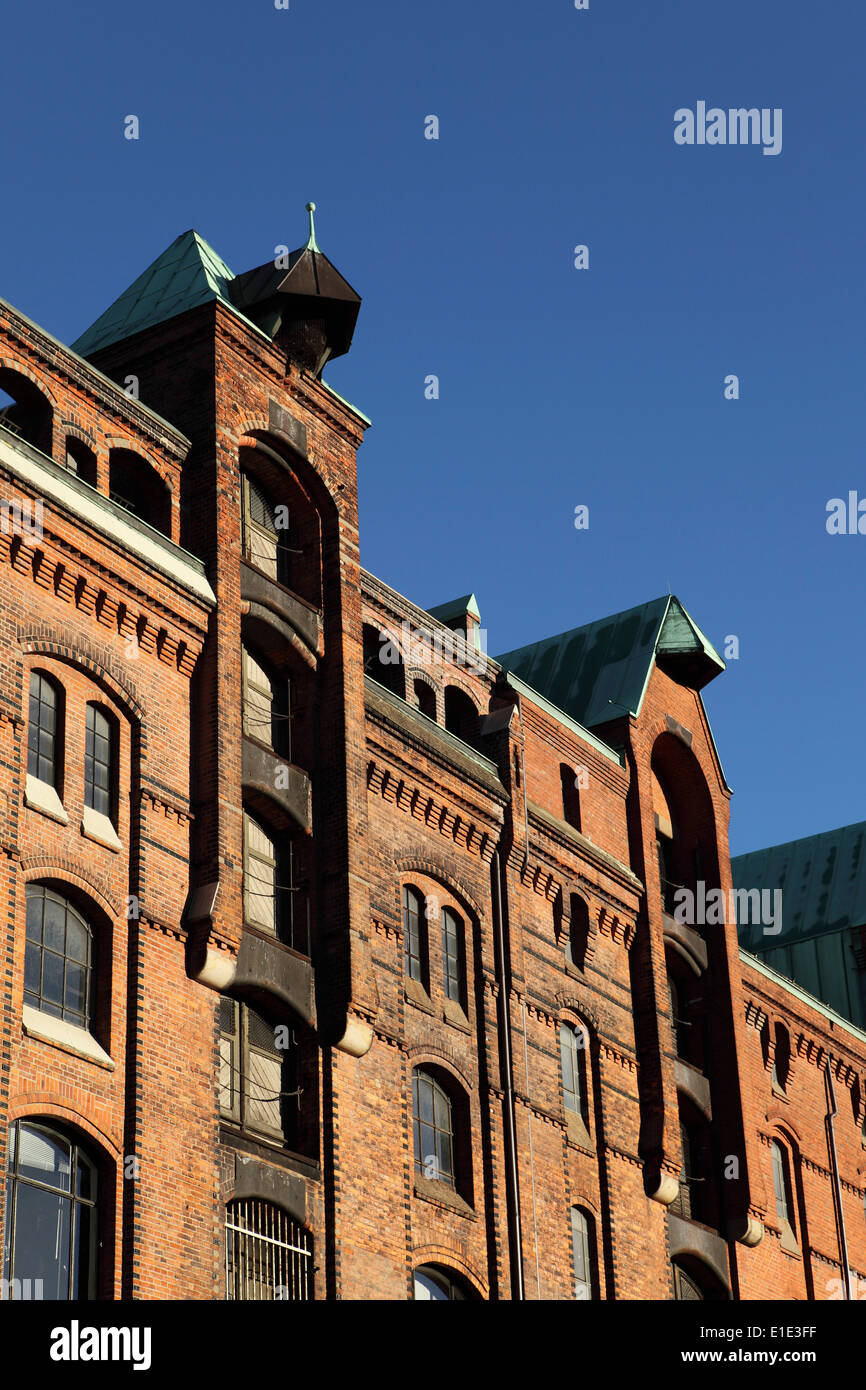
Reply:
x=570, y=796
x=686, y=1289
x=265, y=696
x=44, y=729
x=461, y=716
x=453, y=956
x=435, y=1283
x=781, y=1058
x=24, y=411
x=137, y=487
x=583, y=1254
x=425, y=698
x=265, y=531
x=433, y=1121
x=50, y=1245
x=782, y=1187
x=268, y=1255
x=578, y=932
x=572, y=1048
x=383, y=661
x=81, y=460
x=100, y=762
x=58, y=957
x=268, y=884
x=415, y=953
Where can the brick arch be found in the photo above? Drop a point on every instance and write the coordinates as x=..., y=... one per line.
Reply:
x=79, y=432
x=570, y=1003
x=591, y=1205
x=412, y=864
x=430, y=1055
x=14, y=364
x=451, y=1259
x=132, y=446
x=50, y=1105
x=81, y=652
x=63, y=871
x=781, y=1127
x=316, y=484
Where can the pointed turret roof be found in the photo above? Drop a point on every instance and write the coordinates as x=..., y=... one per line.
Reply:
x=187, y=274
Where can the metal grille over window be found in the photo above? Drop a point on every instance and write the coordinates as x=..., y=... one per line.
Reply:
x=42, y=729
x=268, y=1256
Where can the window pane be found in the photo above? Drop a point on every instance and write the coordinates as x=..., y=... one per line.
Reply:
x=52, y=978
x=44, y=1157
x=55, y=924
x=42, y=1221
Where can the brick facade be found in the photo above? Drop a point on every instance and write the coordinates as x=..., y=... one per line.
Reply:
x=557, y=899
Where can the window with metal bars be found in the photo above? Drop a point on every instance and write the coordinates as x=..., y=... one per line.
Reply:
x=57, y=957
x=583, y=1253
x=100, y=761
x=258, y=1080
x=454, y=973
x=44, y=729
x=268, y=1255
x=415, y=956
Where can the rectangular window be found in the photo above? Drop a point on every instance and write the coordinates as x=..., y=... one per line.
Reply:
x=42, y=730
x=260, y=878
x=780, y=1182
x=261, y=540
x=581, y=1254
x=98, y=761
x=452, y=955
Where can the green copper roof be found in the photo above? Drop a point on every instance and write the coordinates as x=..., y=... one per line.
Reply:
x=600, y=671
x=823, y=883
x=187, y=274
x=457, y=608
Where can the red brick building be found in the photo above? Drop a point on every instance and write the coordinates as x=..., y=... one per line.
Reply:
x=343, y=961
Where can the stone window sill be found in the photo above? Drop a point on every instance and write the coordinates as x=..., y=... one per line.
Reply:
x=415, y=993
x=95, y=826
x=67, y=1036
x=789, y=1241
x=577, y=1131
x=443, y=1196
x=453, y=1014
x=41, y=796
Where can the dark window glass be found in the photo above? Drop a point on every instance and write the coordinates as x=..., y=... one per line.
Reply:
x=780, y=1181
x=99, y=759
x=414, y=935
x=582, y=1254
x=57, y=957
x=42, y=730
x=434, y=1129
x=571, y=1045
x=452, y=954
x=50, y=1245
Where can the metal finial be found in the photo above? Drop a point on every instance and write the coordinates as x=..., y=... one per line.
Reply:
x=311, y=243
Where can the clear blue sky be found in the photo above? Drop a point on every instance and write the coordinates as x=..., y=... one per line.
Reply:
x=557, y=387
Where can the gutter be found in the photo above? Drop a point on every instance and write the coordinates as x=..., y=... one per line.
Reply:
x=832, y=1112
x=512, y=1187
